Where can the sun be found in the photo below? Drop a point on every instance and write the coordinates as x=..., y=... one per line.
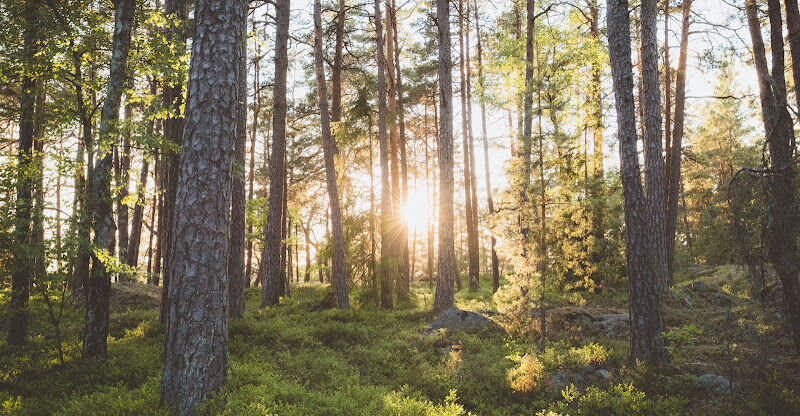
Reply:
x=417, y=210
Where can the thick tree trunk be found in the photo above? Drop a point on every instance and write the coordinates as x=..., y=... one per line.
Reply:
x=270, y=273
x=329, y=150
x=447, y=258
x=388, y=266
x=95, y=331
x=173, y=133
x=782, y=214
x=23, y=261
x=195, y=344
x=236, y=272
x=644, y=236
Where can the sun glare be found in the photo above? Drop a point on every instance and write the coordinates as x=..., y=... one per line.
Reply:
x=417, y=211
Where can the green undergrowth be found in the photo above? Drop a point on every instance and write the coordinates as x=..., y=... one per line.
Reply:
x=304, y=358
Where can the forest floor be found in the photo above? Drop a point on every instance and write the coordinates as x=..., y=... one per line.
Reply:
x=304, y=358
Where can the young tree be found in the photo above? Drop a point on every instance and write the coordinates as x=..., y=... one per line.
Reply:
x=329, y=149
x=644, y=214
x=270, y=272
x=95, y=331
x=195, y=345
x=447, y=257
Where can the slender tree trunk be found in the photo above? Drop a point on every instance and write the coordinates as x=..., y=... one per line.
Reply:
x=388, y=266
x=473, y=241
x=371, y=205
x=329, y=150
x=489, y=199
x=195, y=345
x=403, y=286
x=447, y=258
x=124, y=178
x=429, y=197
x=153, y=277
x=236, y=248
x=673, y=180
x=173, y=133
x=306, y=231
x=251, y=172
x=644, y=230
x=336, y=72
x=95, y=331
x=141, y=191
x=270, y=256
x=22, y=273
x=597, y=188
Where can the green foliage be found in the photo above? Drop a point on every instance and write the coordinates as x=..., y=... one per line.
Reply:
x=619, y=400
x=677, y=339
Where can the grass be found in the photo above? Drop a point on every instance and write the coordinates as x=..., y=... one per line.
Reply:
x=303, y=358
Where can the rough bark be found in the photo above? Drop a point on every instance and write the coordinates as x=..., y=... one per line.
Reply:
x=447, y=258
x=236, y=272
x=251, y=172
x=22, y=273
x=644, y=268
x=388, y=265
x=123, y=182
x=782, y=215
x=339, y=271
x=195, y=344
x=173, y=133
x=336, y=70
x=95, y=331
x=270, y=273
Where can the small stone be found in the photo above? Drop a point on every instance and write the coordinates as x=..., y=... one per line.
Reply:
x=687, y=303
x=562, y=379
x=699, y=286
x=714, y=383
x=603, y=374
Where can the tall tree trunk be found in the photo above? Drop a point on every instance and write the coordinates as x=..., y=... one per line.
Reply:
x=195, y=344
x=153, y=277
x=95, y=331
x=429, y=197
x=22, y=273
x=336, y=70
x=372, y=245
x=597, y=188
x=388, y=266
x=395, y=267
x=473, y=241
x=465, y=133
x=782, y=214
x=251, y=172
x=673, y=179
x=403, y=285
x=329, y=150
x=236, y=272
x=270, y=256
x=138, y=214
x=489, y=199
x=447, y=258
x=644, y=228
x=173, y=133
x=123, y=183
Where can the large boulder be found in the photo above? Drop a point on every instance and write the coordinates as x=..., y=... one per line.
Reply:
x=614, y=324
x=714, y=383
x=458, y=320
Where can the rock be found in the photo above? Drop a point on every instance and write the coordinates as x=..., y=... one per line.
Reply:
x=562, y=379
x=457, y=320
x=577, y=315
x=603, y=374
x=687, y=303
x=614, y=324
x=714, y=383
x=722, y=298
x=699, y=286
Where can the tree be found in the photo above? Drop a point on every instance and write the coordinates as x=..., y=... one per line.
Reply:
x=95, y=331
x=446, y=255
x=782, y=213
x=329, y=149
x=236, y=269
x=22, y=273
x=195, y=345
x=388, y=265
x=270, y=272
x=644, y=214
